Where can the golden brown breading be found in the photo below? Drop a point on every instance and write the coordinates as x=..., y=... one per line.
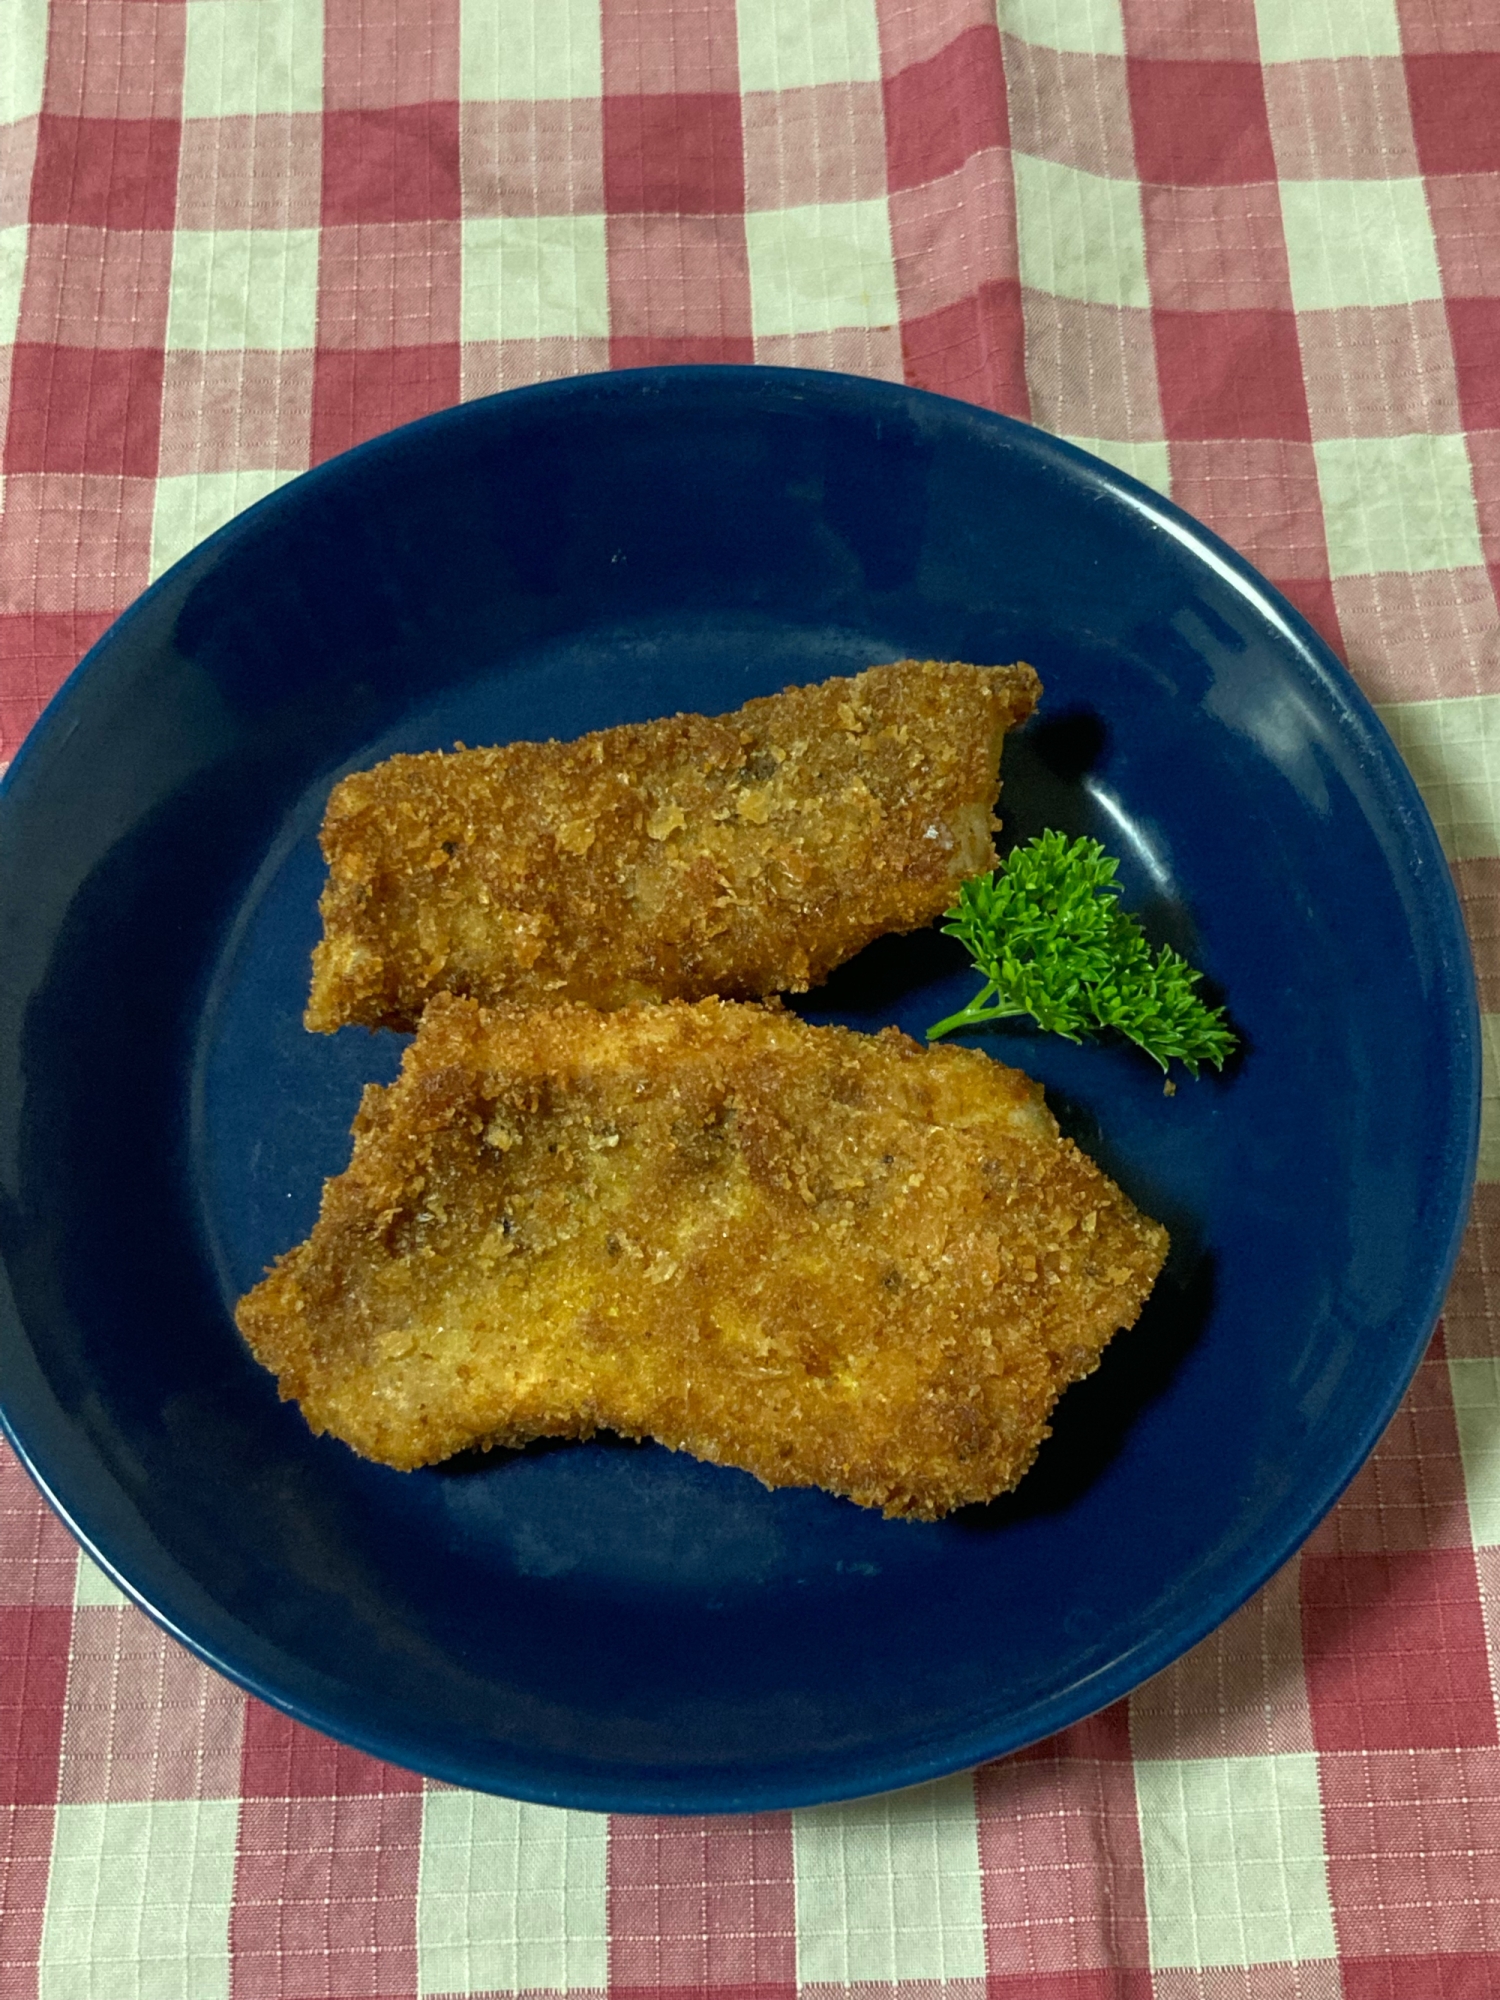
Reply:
x=833, y=1259
x=740, y=854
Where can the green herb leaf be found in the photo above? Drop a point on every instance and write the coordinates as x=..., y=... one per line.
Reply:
x=1047, y=931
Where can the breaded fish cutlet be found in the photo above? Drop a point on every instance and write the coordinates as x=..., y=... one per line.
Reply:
x=831, y=1259
x=742, y=854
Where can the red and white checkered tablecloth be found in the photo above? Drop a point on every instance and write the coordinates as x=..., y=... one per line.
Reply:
x=1250, y=250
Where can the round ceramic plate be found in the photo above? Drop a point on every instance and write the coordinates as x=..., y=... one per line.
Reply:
x=610, y=1625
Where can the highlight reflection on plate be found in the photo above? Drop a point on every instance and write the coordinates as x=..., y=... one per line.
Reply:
x=608, y=1625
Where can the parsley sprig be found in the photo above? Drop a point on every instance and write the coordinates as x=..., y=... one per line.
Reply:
x=1047, y=930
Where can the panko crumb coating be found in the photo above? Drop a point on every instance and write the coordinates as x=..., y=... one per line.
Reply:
x=831, y=1259
x=743, y=854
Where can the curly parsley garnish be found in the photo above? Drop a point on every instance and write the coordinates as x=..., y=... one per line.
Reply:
x=1047, y=931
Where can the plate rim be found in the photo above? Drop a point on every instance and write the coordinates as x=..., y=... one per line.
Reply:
x=1356, y=716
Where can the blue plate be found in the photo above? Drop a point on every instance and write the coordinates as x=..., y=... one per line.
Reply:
x=608, y=1625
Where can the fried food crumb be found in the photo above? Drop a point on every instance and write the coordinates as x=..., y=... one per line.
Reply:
x=828, y=1258
x=742, y=854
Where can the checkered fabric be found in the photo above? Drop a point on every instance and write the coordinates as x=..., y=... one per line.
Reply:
x=1248, y=249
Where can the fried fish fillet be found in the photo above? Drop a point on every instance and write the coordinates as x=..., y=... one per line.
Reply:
x=831, y=1259
x=740, y=854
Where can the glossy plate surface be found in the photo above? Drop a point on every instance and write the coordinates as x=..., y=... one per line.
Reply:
x=609, y=1625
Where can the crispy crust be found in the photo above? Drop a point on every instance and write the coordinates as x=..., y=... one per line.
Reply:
x=832, y=1259
x=742, y=854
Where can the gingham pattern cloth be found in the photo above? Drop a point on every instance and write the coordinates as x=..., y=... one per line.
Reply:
x=1248, y=249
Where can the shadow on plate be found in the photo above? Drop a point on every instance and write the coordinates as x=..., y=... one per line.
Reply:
x=1043, y=775
x=465, y=1464
x=1095, y=1416
x=882, y=976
